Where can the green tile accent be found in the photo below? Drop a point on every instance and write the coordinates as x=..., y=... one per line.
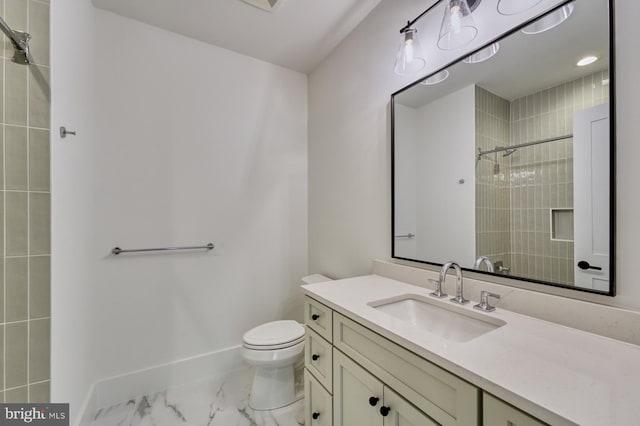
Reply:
x=40, y=223
x=39, y=286
x=39, y=30
x=16, y=395
x=17, y=288
x=16, y=169
x=39, y=349
x=16, y=223
x=39, y=160
x=15, y=93
x=39, y=97
x=1, y=357
x=16, y=354
x=40, y=392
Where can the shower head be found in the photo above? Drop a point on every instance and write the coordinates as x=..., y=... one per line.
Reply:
x=508, y=152
x=19, y=40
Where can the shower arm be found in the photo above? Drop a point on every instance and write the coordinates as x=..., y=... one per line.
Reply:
x=19, y=40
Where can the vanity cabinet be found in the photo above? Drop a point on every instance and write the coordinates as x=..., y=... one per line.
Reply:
x=351, y=373
x=498, y=413
x=362, y=400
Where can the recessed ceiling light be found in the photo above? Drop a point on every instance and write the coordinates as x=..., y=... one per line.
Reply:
x=483, y=54
x=587, y=60
x=550, y=20
x=436, y=78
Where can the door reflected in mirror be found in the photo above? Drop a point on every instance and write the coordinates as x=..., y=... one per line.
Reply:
x=505, y=166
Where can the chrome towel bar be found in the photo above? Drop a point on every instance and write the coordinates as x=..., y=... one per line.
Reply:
x=409, y=235
x=118, y=250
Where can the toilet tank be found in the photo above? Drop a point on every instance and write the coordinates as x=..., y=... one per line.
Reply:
x=315, y=278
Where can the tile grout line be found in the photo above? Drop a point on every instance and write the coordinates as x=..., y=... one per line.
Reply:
x=29, y=213
x=4, y=221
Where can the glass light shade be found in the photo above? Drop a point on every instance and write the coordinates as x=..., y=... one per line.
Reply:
x=458, y=27
x=483, y=54
x=436, y=78
x=550, y=20
x=410, y=58
x=513, y=7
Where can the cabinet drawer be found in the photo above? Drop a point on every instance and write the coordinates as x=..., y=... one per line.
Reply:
x=446, y=398
x=318, y=406
x=496, y=412
x=318, y=358
x=318, y=317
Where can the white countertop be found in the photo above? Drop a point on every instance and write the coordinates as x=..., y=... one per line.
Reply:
x=558, y=374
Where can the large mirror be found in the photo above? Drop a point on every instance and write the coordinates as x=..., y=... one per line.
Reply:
x=503, y=161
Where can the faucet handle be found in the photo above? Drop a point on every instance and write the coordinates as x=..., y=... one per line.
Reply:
x=484, y=301
x=437, y=285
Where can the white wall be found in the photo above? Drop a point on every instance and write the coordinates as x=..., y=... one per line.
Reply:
x=189, y=144
x=73, y=222
x=406, y=181
x=349, y=207
x=450, y=120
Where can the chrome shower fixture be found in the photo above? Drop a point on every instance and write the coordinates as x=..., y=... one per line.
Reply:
x=20, y=41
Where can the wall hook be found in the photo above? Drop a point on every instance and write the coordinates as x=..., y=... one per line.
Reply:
x=64, y=132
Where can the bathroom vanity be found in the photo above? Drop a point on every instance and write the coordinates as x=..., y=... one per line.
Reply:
x=383, y=352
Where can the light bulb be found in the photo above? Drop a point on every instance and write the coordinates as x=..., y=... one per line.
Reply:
x=458, y=27
x=409, y=59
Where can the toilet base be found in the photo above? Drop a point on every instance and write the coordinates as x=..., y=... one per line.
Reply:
x=273, y=388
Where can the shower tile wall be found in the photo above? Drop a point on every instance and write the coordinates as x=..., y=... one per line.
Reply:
x=25, y=209
x=542, y=175
x=493, y=219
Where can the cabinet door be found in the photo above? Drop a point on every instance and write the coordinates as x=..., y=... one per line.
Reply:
x=318, y=405
x=353, y=388
x=401, y=413
x=498, y=413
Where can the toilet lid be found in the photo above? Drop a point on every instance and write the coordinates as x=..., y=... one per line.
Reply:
x=274, y=333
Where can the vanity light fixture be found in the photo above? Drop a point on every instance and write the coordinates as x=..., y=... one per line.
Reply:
x=409, y=59
x=513, y=7
x=550, y=20
x=436, y=78
x=458, y=27
x=587, y=60
x=483, y=54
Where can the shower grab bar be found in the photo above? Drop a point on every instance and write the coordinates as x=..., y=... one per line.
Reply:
x=117, y=250
x=522, y=145
x=19, y=40
x=409, y=235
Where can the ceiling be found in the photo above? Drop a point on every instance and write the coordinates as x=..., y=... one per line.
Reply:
x=298, y=35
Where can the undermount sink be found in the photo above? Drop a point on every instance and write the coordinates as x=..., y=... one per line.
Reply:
x=450, y=322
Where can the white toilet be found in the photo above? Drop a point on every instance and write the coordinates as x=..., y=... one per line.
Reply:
x=274, y=349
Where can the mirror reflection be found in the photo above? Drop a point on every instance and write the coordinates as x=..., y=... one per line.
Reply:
x=502, y=161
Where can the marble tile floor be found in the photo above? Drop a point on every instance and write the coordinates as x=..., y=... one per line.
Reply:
x=216, y=402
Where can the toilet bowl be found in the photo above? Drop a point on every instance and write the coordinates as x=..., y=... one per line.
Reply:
x=273, y=349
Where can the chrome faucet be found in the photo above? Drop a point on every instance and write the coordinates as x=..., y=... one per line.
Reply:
x=486, y=261
x=443, y=275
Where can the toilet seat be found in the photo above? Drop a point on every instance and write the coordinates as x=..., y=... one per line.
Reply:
x=274, y=335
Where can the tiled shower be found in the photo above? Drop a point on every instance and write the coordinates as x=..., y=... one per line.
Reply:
x=516, y=194
x=25, y=210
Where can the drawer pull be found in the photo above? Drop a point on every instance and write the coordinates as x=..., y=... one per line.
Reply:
x=315, y=415
x=384, y=411
x=315, y=317
x=315, y=357
x=373, y=401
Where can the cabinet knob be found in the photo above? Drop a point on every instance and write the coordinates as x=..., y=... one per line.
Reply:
x=373, y=401
x=384, y=411
x=315, y=317
x=315, y=415
x=315, y=357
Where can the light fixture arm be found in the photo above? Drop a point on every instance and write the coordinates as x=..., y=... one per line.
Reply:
x=412, y=22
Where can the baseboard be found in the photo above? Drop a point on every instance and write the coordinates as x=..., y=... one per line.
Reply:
x=113, y=390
